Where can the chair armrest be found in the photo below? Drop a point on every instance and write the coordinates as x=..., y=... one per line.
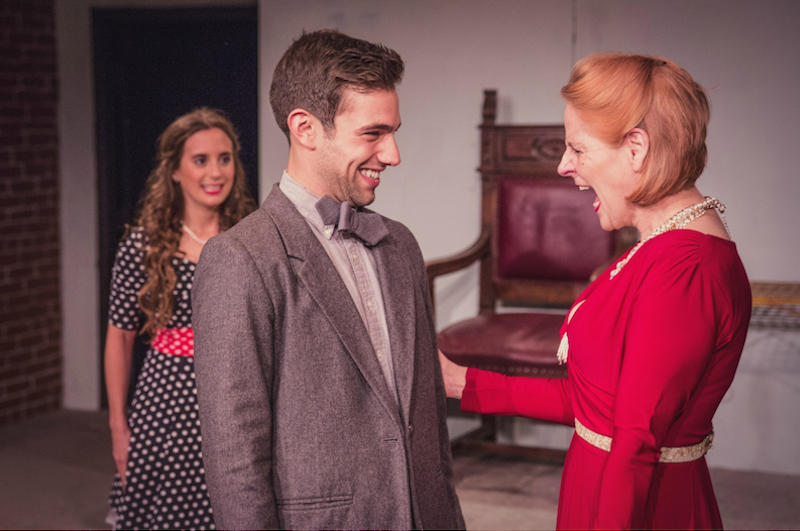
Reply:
x=442, y=266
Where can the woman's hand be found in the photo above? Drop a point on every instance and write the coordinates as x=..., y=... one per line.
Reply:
x=455, y=377
x=120, y=442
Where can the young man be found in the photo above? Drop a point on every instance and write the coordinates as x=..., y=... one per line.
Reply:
x=320, y=391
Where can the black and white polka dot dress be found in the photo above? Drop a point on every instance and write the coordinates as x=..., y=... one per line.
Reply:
x=165, y=478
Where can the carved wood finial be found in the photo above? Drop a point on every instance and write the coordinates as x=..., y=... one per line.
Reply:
x=489, y=106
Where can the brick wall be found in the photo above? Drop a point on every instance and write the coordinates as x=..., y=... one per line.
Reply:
x=30, y=310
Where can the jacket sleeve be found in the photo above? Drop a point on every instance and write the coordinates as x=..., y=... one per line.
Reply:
x=233, y=325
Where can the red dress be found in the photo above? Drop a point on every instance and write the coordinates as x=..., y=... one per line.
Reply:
x=652, y=352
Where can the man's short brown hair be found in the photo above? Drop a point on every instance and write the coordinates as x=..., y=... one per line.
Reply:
x=319, y=67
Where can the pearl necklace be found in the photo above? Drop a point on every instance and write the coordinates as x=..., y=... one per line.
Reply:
x=192, y=235
x=678, y=221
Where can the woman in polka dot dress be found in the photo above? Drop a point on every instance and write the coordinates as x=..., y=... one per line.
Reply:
x=196, y=191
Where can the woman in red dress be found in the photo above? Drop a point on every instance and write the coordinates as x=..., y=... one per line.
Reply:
x=652, y=345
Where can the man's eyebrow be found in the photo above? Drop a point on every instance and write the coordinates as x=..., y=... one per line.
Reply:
x=382, y=127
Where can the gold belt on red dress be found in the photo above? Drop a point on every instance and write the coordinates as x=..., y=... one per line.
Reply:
x=679, y=454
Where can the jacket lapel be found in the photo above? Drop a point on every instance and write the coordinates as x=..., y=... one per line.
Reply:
x=320, y=277
x=397, y=287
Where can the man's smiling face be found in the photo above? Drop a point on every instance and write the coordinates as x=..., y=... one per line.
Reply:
x=360, y=146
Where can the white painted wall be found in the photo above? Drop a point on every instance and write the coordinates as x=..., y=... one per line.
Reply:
x=78, y=207
x=744, y=51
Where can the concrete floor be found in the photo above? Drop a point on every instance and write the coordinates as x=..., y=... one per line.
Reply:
x=55, y=472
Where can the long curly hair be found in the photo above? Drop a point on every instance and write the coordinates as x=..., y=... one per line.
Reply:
x=161, y=211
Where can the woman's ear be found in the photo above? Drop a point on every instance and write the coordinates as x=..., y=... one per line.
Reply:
x=637, y=145
x=303, y=128
x=161, y=167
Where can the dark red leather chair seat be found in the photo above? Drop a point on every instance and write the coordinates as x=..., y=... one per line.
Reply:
x=514, y=343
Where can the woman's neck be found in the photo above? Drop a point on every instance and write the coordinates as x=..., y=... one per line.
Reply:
x=651, y=217
x=203, y=222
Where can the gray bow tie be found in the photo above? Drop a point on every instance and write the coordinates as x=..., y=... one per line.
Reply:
x=366, y=226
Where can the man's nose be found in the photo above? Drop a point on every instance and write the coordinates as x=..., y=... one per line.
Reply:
x=390, y=154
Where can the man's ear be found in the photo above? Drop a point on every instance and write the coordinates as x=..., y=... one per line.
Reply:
x=304, y=128
x=637, y=145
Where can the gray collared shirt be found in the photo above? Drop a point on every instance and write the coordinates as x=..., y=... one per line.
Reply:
x=356, y=266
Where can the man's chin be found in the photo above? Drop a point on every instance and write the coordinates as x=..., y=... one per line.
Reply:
x=362, y=200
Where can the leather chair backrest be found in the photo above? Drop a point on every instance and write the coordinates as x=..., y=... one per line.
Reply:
x=546, y=229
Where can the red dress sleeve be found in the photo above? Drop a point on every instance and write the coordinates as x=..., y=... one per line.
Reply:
x=497, y=394
x=668, y=345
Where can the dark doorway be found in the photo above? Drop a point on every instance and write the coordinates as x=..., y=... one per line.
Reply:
x=151, y=66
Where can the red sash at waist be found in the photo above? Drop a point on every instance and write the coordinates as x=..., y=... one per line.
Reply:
x=174, y=341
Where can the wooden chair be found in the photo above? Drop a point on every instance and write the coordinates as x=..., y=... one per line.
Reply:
x=539, y=246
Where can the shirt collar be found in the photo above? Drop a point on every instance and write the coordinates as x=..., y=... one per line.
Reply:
x=305, y=201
